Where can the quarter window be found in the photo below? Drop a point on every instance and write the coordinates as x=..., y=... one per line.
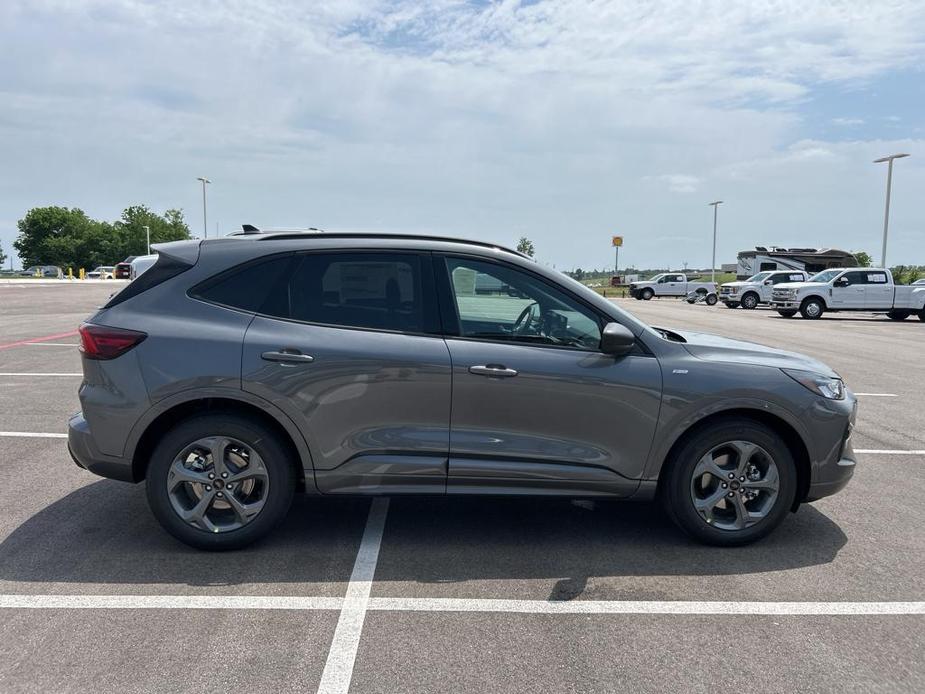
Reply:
x=246, y=287
x=497, y=302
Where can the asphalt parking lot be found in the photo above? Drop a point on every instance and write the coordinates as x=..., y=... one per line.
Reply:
x=445, y=595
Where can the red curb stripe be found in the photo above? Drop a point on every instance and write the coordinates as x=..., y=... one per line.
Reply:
x=44, y=338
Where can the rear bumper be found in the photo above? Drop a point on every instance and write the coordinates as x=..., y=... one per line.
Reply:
x=85, y=454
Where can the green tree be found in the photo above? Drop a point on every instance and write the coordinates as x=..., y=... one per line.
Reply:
x=130, y=229
x=525, y=246
x=863, y=258
x=60, y=236
x=2, y=257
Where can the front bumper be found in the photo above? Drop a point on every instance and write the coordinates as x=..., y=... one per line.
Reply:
x=85, y=453
x=785, y=305
x=834, y=471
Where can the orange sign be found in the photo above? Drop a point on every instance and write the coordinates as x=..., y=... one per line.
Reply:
x=616, y=241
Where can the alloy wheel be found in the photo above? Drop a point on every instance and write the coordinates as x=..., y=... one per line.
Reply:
x=735, y=485
x=217, y=484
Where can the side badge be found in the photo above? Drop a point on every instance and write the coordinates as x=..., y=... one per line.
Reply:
x=679, y=371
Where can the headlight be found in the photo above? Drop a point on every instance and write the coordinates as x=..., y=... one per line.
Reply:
x=826, y=386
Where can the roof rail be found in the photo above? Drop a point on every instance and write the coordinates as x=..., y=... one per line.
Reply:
x=270, y=236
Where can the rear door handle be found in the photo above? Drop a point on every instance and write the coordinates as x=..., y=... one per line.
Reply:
x=288, y=356
x=493, y=370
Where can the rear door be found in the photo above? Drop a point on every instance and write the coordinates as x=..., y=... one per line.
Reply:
x=878, y=290
x=348, y=345
x=536, y=406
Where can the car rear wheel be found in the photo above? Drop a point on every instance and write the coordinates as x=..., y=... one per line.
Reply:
x=729, y=484
x=787, y=314
x=647, y=294
x=750, y=301
x=812, y=309
x=220, y=481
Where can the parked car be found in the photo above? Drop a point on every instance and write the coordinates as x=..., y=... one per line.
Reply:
x=918, y=283
x=669, y=284
x=142, y=263
x=756, y=289
x=46, y=271
x=849, y=289
x=240, y=370
x=124, y=269
x=103, y=272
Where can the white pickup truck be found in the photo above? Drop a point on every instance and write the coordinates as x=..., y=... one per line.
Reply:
x=669, y=284
x=849, y=289
x=757, y=288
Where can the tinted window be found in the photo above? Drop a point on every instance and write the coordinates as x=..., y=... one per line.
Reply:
x=246, y=287
x=497, y=302
x=362, y=290
x=856, y=277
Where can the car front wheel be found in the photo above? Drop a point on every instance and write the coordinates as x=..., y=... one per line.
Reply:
x=730, y=484
x=812, y=309
x=647, y=294
x=220, y=481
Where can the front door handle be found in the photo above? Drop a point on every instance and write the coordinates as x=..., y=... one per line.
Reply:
x=288, y=356
x=492, y=370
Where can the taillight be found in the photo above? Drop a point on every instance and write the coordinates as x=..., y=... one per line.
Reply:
x=101, y=342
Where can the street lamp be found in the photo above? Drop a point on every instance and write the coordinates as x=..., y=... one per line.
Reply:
x=148, y=236
x=205, y=229
x=889, y=184
x=715, y=204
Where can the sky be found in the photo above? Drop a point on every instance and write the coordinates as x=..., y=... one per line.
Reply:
x=565, y=121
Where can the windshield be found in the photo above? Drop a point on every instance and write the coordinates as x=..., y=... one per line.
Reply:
x=760, y=277
x=825, y=276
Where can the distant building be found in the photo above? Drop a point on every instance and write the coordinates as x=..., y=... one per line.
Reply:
x=729, y=267
x=811, y=260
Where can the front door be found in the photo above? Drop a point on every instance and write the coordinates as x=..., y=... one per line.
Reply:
x=350, y=350
x=536, y=407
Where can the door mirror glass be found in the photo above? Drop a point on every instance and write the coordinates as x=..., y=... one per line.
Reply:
x=617, y=340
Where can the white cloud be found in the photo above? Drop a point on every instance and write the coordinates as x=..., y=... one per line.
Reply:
x=848, y=122
x=494, y=120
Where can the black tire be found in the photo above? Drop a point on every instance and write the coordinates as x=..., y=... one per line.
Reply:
x=676, y=480
x=750, y=301
x=787, y=314
x=731, y=304
x=711, y=299
x=922, y=315
x=280, y=473
x=812, y=308
x=647, y=294
x=898, y=315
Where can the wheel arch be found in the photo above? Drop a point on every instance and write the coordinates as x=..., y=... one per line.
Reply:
x=166, y=415
x=787, y=432
x=821, y=298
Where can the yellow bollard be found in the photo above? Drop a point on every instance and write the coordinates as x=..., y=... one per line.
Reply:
x=83, y=274
x=70, y=273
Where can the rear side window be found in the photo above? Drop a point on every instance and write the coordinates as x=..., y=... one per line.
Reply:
x=378, y=291
x=246, y=287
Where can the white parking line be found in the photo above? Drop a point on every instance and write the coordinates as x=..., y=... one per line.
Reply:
x=23, y=373
x=52, y=344
x=344, y=666
x=338, y=669
x=645, y=607
x=875, y=451
x=878, y=395
x=33, y=435
x=167, y=602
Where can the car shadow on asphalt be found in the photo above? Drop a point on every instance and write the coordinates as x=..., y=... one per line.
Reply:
x=104, y=533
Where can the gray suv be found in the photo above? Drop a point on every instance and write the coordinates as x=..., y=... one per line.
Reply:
x=238, y=371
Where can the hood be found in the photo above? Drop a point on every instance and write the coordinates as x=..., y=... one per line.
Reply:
x=721, y=349
x=800, y=285
x=739, y=283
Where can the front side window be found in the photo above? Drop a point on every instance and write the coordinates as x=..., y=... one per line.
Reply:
x=856, y=278
x=497, y=302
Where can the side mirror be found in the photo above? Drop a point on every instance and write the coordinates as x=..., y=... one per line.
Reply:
x=841, y=282
x=617, y=340
x=768, y=283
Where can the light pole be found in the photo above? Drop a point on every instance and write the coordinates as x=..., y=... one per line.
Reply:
x=205, y=229
x=886, y=214
x=148, y=236
x=715, y=204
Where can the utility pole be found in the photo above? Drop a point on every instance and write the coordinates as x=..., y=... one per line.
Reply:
x=148, y=236
x=205, y=228
x=886, y=213
x=715, y=204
